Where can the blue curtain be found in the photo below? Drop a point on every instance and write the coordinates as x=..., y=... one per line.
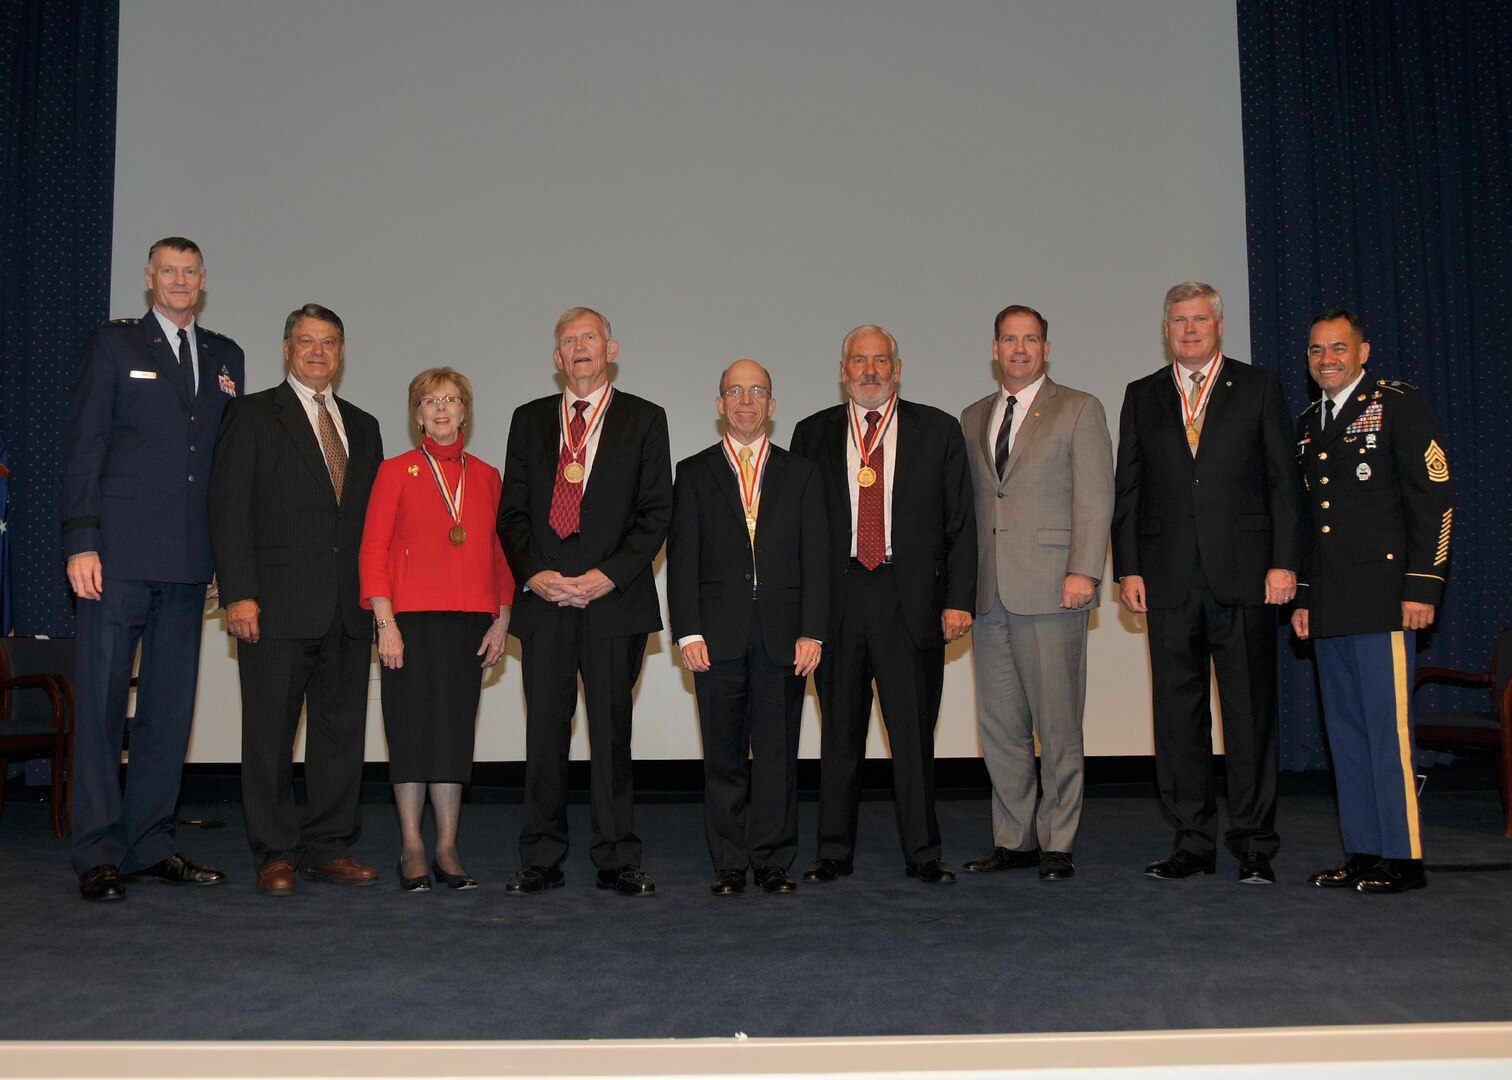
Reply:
x=57, y=173
x=1377, y=141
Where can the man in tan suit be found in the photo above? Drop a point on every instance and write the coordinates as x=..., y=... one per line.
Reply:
x=1042, y=473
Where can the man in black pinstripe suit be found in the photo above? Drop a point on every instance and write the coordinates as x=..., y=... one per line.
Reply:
x=288, y=494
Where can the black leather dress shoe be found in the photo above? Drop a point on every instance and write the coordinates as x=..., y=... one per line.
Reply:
x=1255, y=869
x=177, y=870
x=827, y=870
x=533, y=879
x=413, y=884
x=1347, y=874
x=453, y=881
x=1180, y=864
x=1056, y=866
x=727, y=883
x=1001, y=858
x=1393, y=876
x=933, y=872
x=774, y=879
x=102, y=883
x=627, y=881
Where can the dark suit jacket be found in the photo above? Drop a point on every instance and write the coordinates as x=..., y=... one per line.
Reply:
x=709, y=558
x=279, y=535
x=138, y=456
x=934, y=541
x=1237, y=502
x=626, y=508
x=1378, y=482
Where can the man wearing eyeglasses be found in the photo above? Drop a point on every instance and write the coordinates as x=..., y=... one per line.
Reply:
x=1382, y=506
x=903, y=559
x=586, y=504
x=748, y=585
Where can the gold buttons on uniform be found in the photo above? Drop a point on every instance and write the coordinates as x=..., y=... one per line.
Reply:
x=1328, y=528
x=1322, y=479
x=1324, y=504
x=1323, y=456
x=1389, y=556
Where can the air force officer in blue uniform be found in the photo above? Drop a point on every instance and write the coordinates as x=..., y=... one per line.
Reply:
x=146, y=408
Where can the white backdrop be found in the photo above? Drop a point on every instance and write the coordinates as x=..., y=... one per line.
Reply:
x=722, y=180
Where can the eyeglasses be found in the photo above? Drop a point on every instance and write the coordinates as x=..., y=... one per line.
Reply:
x=449, y=399
x=755, y=393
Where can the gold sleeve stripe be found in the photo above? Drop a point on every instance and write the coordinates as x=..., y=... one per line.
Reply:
x=1438, y=464
x=1441, y=556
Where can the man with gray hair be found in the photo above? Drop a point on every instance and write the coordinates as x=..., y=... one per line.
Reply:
x=288, y=494
x=148, y=399
x=586, y=504
x=1207, y=541
x=902, y=539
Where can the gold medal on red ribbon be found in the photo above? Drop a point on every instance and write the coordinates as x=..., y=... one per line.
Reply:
x=867, y=476
x=457, y=535
x=574, y=471
x=750, y=482
x=1192, y=436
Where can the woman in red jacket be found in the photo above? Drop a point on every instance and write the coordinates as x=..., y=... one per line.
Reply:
x=434, y=574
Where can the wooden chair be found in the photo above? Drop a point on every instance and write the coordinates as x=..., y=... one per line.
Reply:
x=1489, y=729
x=36, y=713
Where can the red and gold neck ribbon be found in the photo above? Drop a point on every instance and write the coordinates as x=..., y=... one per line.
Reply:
x=453, y=501
x=869, y=446
x=1191, y=410
x=575, y=451
x=750, y=494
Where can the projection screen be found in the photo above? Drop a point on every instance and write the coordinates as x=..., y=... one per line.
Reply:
x=723, y=180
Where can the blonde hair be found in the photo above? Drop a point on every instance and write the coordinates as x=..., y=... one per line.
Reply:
x=424, y=385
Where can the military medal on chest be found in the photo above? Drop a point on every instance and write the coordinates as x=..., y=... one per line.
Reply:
x=453, y=499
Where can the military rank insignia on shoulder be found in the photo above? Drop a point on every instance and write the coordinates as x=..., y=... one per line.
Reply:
x=1395, y=384
x=127, y=322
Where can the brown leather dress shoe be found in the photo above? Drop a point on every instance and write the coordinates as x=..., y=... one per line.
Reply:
x=344, y=870
x=276, y=879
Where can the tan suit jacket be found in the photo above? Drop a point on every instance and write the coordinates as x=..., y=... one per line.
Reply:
x=1050, y=515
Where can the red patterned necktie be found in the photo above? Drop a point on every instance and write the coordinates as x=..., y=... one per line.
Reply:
x=871, y=545
x=567, y=498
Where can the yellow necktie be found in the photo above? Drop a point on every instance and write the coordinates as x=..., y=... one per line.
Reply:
x=748, y=483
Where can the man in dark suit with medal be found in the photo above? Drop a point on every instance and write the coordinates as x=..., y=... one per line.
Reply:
x=586, y=504
x=1382, y=506
x=293, y=470
x=748, y=585
x=147, y=404
x=1206, y=540
x=903, y=559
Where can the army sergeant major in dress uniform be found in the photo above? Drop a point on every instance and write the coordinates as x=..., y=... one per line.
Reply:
x=146, y=407
x=1378, y=485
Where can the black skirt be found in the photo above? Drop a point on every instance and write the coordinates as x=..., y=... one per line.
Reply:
x=430, y=705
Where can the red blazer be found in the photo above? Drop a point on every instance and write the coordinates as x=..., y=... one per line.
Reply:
x=406, y=554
